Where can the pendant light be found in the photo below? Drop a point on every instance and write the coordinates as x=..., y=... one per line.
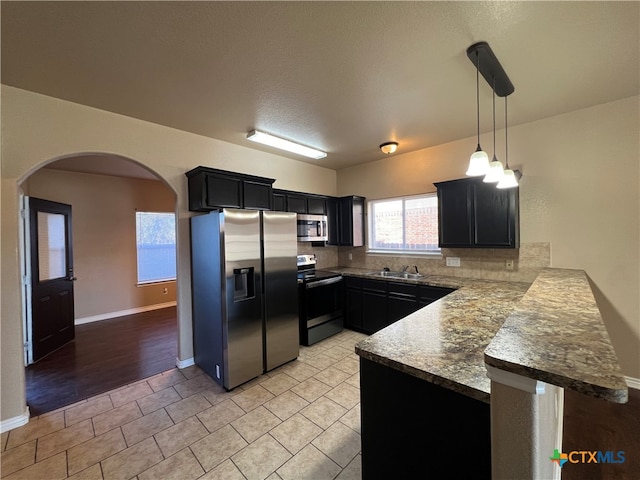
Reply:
x=509, y=179
x=479, y=161
x=495, y=167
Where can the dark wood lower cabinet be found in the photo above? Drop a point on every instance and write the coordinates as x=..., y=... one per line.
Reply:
x=414, y=429
x=372, y=305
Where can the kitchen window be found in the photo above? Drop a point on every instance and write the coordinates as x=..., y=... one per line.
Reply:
x=156, y=246
x=404, y=225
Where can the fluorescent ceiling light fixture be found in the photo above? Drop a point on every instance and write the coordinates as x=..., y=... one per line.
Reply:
x=281, y=143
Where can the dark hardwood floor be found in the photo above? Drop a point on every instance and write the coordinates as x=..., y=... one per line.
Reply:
x=104, y=355
x=596, y=425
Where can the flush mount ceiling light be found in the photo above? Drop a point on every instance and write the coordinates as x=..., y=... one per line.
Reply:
x=282, y=144
x=488, y=65
x=389, y=147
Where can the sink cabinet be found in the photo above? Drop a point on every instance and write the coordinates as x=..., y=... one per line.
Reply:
x=474, y=214
x=373, y=304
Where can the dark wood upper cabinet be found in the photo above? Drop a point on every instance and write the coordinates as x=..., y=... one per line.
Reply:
x=474, y=214
x=211, y=189
x=345, y=218
x=299, y=202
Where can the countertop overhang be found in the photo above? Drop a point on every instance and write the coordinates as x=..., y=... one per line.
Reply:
x=556, y=335
x=550, y=330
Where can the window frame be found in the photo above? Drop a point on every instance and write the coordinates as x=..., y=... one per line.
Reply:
x=437, y=252
x=166, y=279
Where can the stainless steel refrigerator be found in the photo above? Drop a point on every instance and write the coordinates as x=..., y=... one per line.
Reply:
x=244, y=291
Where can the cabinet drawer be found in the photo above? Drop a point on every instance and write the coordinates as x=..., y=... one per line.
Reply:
x=353, y=282
x=403, y=289
x=430, y=293
x=374, y=285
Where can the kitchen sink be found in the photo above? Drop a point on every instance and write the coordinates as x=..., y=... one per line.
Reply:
x=391, y=274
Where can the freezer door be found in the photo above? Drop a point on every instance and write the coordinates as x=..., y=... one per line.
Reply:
x=242, y=331
x=280, y=249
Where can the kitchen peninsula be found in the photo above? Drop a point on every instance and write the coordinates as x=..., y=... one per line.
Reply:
x=424, y=377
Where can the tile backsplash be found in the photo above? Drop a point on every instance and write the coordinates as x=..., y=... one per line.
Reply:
x=485, y=263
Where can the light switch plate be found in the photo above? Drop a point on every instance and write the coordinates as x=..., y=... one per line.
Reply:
x=453, y=261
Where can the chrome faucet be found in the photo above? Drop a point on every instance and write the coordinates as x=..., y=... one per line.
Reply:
x=405, y=268
x=416, y=267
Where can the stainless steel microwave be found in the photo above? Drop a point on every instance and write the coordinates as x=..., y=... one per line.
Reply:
x=312, y=228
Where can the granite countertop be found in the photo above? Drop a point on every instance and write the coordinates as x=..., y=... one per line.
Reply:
x=444, y=342
x=556, y=335
x=550, y=330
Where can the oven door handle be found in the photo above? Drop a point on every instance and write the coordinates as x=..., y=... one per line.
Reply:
x=326, y=281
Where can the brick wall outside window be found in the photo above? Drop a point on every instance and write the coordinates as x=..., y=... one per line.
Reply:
x=420, y=226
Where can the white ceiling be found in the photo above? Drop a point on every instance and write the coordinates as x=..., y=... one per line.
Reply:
x=339, y=76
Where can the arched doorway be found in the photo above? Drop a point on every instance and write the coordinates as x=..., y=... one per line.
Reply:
x=112, y=304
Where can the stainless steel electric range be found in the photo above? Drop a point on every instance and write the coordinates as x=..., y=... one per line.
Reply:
x=320, y=301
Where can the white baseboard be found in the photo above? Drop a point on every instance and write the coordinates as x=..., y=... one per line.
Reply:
x=185, y=363
x=122, y=313
x=15, y=422
x=633, y=382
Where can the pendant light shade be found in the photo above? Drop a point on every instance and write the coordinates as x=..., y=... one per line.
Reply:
x=479, y=161
x=495, y=167
x=487, y=64
x=509, y=179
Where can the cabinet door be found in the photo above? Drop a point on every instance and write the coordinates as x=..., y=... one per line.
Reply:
x=279, y=202
x=223, y=191
x=317, y=205
x=333, y=225
x=296, y=203
x=494, y=216
x=374, y=311
x=400, y=307
x=346, y=221
x=257, y=196
x=403, y=300
x=454, y=215
x=353, y=310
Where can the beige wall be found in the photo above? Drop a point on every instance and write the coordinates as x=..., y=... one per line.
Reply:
x=37, y=129
x=104, y=236
x=579, y=193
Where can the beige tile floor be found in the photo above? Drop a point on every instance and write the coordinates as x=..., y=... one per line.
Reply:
x=300, y=421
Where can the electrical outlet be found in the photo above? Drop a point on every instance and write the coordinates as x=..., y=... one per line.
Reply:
x=165, y=291
x=509, y=264
x=453, y=261
x=351, y=256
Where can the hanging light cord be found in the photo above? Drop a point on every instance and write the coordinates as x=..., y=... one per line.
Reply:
x=478, y=95
x=506, y=138
x=494, y=118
